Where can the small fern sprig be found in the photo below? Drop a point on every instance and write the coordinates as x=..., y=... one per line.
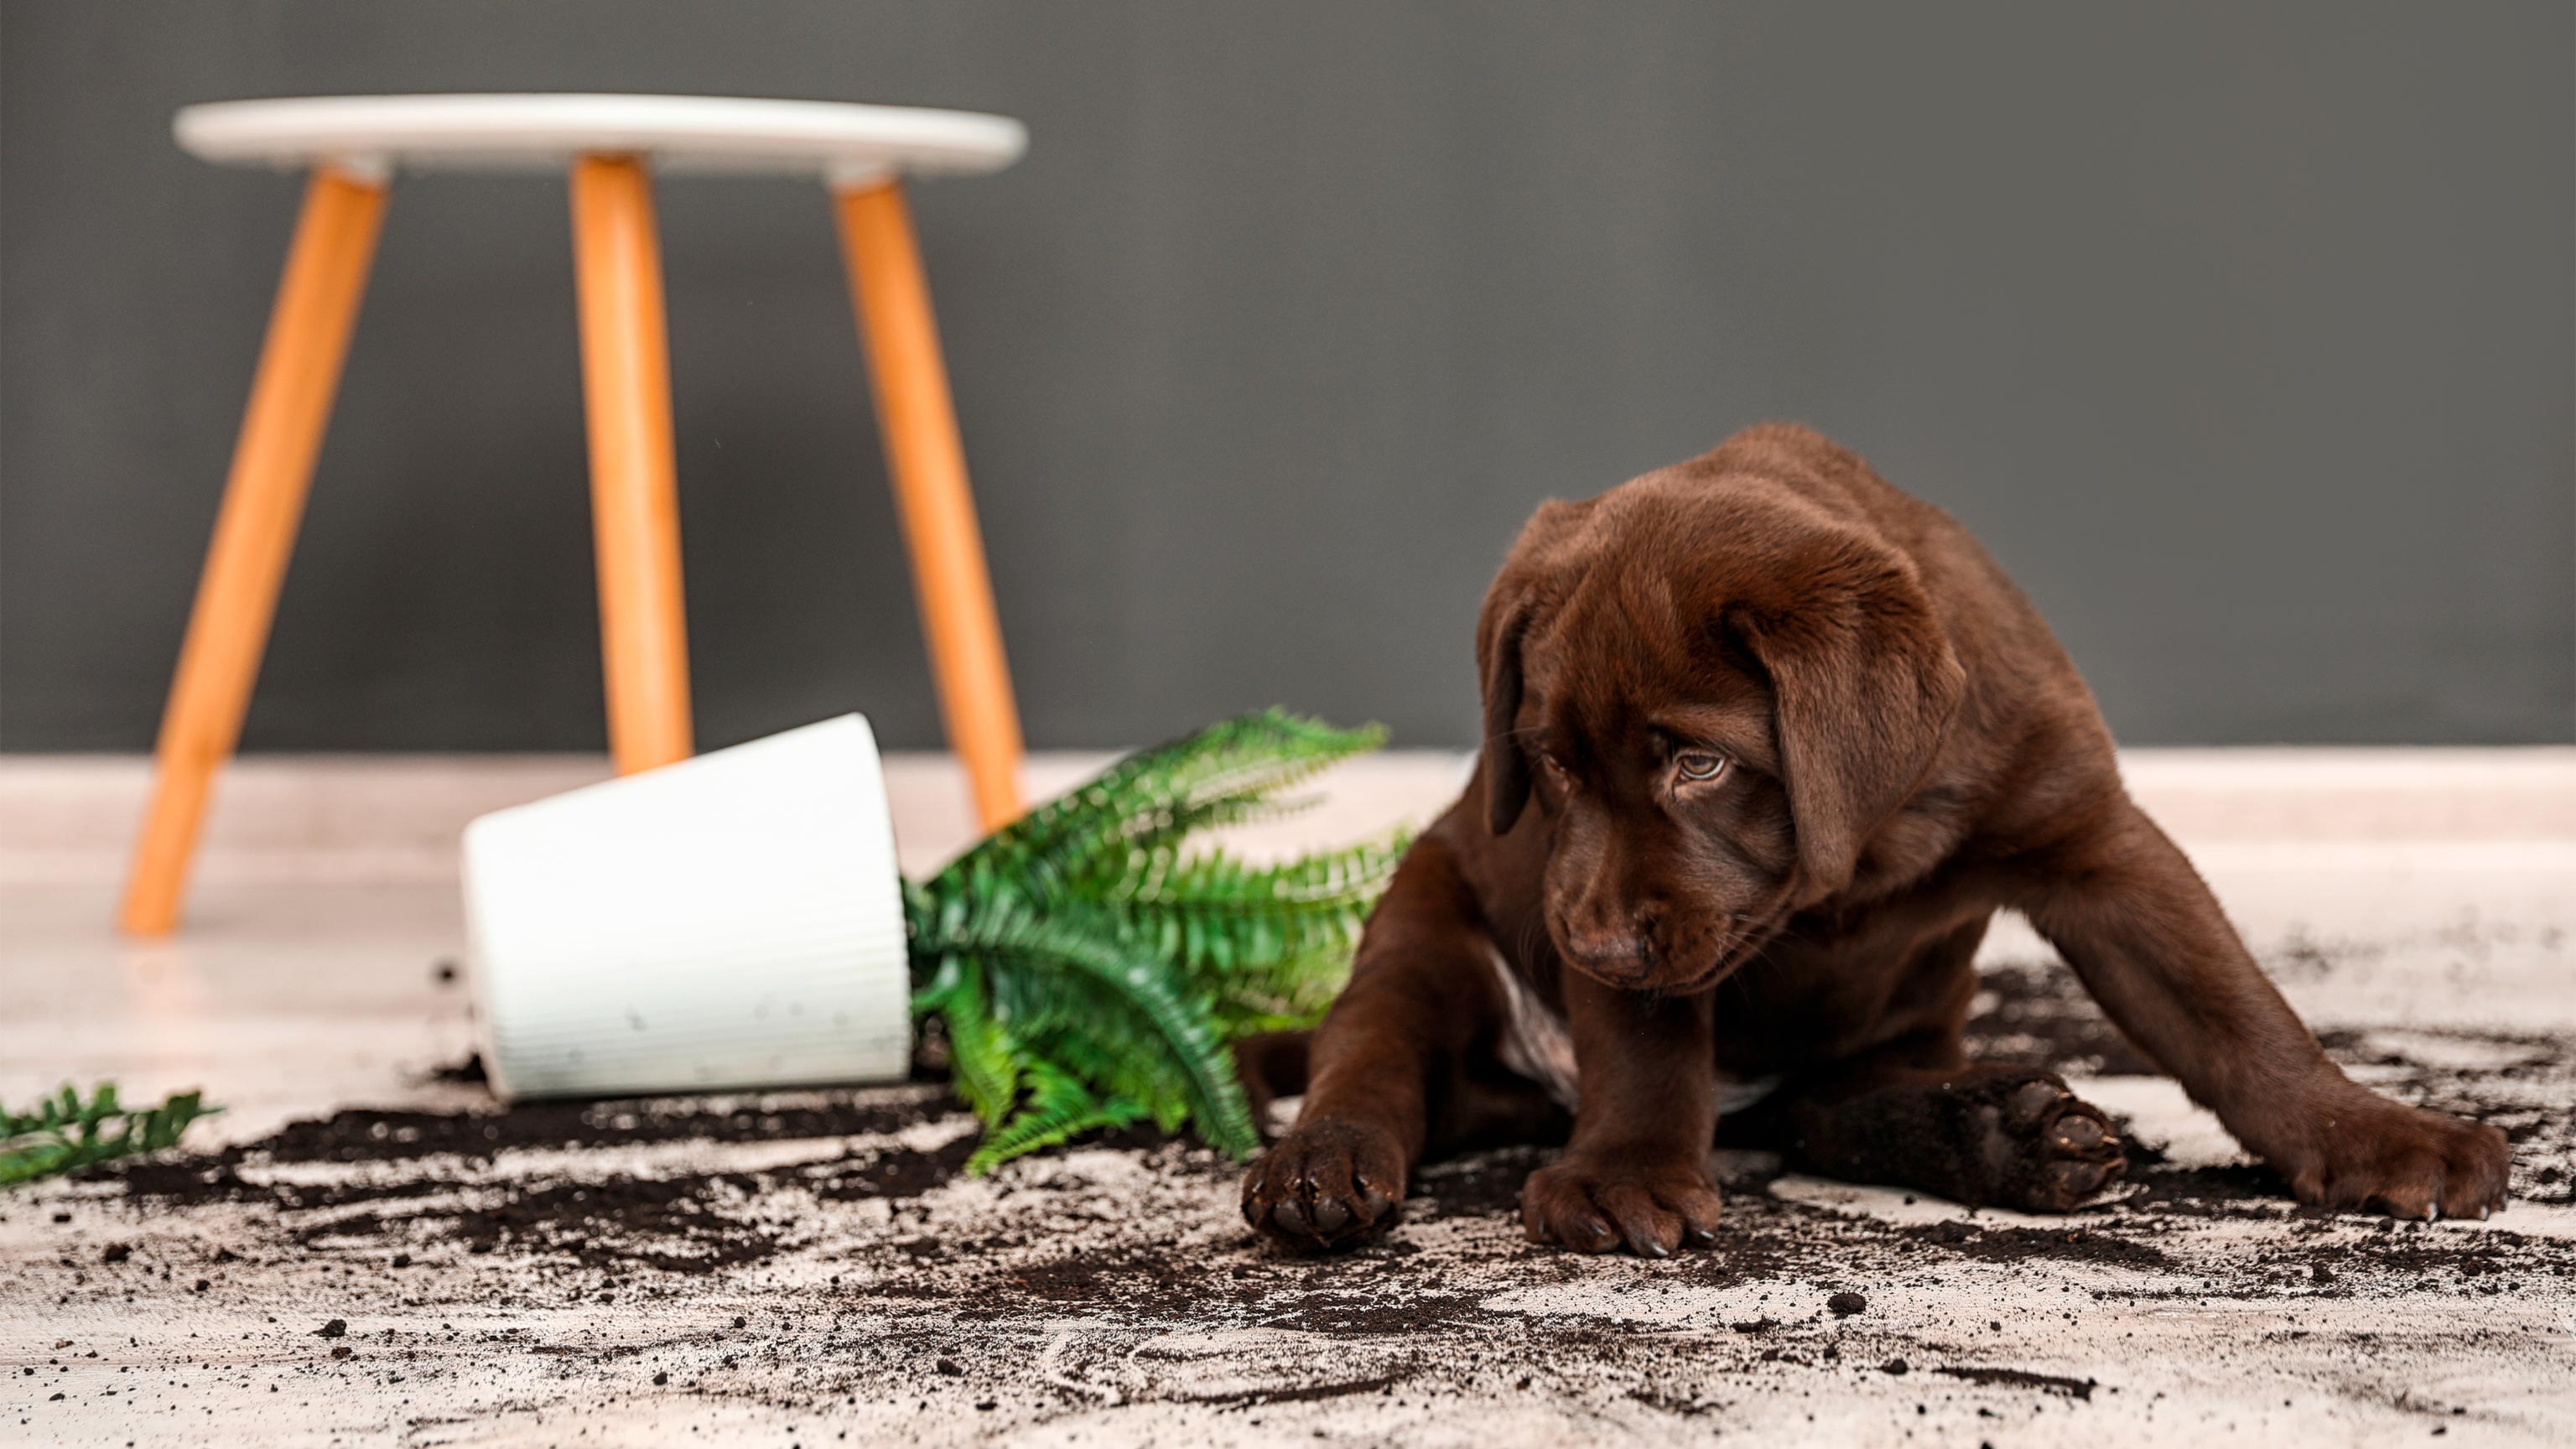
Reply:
x=1093, y=969
x=66, y=1133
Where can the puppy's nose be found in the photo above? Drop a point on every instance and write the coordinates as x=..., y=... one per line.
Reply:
x=1612, y=955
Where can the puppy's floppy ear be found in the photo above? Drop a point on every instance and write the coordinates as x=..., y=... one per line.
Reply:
x=1864, y=682
x=1498, y=662
x=1524, y=591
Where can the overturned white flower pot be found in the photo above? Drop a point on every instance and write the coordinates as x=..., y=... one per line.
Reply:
x=732, y=921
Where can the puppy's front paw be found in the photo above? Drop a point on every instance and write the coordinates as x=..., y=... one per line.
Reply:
x=2375, y=1155
x=1594, y=1203
x=1326, y=1185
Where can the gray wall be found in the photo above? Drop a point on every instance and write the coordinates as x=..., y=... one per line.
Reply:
x=2243, y=334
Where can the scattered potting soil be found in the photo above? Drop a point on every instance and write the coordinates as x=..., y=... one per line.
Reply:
x=893, y=1272
x=431, y=1173
x=2023, y=1378
x=433, y=1177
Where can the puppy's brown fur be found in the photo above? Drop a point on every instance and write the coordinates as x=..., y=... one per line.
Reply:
x=1767, y=743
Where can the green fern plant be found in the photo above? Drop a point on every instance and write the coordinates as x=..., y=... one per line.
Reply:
x=1092, y=966
x=66, y=1132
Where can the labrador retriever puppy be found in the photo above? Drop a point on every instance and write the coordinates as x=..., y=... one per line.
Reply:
x=1767, y=743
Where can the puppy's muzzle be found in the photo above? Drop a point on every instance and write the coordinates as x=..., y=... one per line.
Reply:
x=1617, y=957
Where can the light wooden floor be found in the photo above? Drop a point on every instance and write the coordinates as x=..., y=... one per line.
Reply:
x=304, y=982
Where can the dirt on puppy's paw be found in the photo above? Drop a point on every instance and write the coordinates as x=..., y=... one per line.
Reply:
x=2043, y=1148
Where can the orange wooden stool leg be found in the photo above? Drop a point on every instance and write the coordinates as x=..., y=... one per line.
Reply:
x=635, y=501
x=281, y=433
x=928, y=465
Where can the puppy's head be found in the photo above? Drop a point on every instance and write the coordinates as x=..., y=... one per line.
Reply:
x=1708, y=694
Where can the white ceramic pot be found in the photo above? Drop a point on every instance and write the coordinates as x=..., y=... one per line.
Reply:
x=734, y=920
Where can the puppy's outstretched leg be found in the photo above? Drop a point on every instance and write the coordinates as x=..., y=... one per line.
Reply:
x=1405, y=1061
x=2138, y=925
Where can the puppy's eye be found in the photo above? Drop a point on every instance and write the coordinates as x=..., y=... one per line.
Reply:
x=1699, y=765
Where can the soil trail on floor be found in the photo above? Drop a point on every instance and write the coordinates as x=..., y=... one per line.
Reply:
x=840, y=1231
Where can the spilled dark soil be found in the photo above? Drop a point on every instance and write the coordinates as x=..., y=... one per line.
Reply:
x=423, y=1179
x=831, y=1242
x=421, y=1176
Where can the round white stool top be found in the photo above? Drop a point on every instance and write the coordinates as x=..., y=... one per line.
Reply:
x=834, y=139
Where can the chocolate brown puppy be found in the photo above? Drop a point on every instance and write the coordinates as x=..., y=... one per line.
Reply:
x=1767, y=743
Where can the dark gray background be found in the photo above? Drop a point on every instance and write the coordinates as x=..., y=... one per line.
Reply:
x=2244, y=335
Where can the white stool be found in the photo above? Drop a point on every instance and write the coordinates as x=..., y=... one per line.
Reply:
x=353, y=145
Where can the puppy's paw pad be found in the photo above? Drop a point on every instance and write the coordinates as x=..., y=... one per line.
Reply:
x=2044, y=1148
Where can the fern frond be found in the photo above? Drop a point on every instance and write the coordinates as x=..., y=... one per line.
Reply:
x=1220, y=916
x=1076, y=1023
x=1238, y=1023
x=1008, y=935
x=980, y=1051
x=1219, y=774
x=1058, y=1110
x=66, y=1133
